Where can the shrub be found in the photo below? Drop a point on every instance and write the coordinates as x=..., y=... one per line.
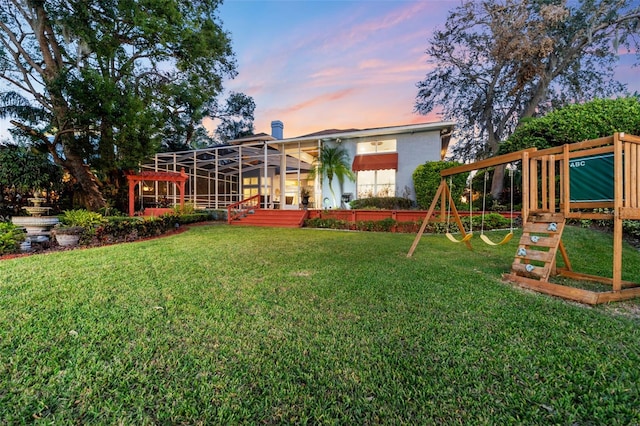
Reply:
x=409, y=227
x=79, y=222
x=133, y=228
x=383, y=203
x=327, y=223
x=10, y=238
x=220, y=214
x=81, y=217
x=426, y=179
x=188, y=208
x=631, y=228
x=576, y=122
x=184, y=219
x=121, y=229
x=384, y=225
x=491, y=221
x=111, y=211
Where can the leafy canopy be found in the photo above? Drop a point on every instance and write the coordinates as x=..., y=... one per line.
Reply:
x=498, y=62
x=23, y=170
x=577, y=122
x=101, y=84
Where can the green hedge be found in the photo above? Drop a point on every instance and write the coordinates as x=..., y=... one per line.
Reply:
x=105, y=230
x=576, y=122
x=382, y=203
x=323, y=223
x=426, y=179
x=630, y=228
x=121, y=229
x=491, y=221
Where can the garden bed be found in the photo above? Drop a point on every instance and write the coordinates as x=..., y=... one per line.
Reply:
x=404, y=221
x=118, y=230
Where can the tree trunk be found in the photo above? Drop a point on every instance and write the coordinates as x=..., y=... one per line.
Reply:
x=497, y=183
x=91, y=195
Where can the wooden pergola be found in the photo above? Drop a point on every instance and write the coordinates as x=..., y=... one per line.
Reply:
x=179, y=179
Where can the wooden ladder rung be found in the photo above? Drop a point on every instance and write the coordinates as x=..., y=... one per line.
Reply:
x=525, y=240
x=538, y=271
x=537, y=255
x=542, y=228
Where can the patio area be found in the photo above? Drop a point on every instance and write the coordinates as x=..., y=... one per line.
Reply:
x=223, y=175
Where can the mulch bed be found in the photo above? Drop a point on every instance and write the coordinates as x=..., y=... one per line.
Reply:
x=52, y=247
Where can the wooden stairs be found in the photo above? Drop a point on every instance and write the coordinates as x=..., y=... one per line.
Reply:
x=272, y=218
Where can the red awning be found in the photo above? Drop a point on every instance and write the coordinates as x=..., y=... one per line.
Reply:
x=375, y=162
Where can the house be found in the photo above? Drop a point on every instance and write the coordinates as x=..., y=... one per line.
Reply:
x=383, y=160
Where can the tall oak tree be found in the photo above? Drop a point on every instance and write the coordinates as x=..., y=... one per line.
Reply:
x=497, y=62
x=96, y=82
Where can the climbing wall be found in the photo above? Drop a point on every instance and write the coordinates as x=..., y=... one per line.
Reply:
x=541, y=238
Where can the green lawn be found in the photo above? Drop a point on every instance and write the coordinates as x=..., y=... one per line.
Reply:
x=227, y=325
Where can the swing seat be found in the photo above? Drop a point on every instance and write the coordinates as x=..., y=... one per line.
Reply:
x=505, y=240
x=455, y=240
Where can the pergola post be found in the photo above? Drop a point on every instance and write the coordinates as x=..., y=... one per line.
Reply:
x=177, y=178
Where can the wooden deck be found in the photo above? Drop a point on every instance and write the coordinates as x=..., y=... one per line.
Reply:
x=274, y=218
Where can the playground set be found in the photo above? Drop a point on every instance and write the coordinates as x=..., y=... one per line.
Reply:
x=593, y=179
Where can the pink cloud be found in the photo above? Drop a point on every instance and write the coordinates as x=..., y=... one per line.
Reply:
x=356, y=68
x=317, y=100
x=374, y=26
x=372, y=64
x=329, y=72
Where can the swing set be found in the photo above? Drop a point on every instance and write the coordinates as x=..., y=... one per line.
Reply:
x=593, y=179
x=449, y=235
x=466, y=237
x=507, y=237
x=443, y=196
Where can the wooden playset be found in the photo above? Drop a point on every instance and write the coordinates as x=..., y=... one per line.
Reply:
x=594, y=179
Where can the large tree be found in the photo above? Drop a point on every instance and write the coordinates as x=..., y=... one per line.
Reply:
x=96, y=82
x=234, y=117
x=498, y=62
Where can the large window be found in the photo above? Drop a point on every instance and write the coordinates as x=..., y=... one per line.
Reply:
x=376, y=183
x=377, y=146
x=251, y=186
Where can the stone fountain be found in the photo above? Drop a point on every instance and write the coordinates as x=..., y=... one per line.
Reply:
x=37, y=225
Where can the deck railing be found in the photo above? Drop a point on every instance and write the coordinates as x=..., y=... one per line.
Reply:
x=241, y=208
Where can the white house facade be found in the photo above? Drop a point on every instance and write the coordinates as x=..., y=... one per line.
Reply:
x=382, y=159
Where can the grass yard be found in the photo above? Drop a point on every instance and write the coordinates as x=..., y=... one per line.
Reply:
x=233, y=325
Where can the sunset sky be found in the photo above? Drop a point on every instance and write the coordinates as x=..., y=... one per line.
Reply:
x=335, y=64
x=319, y=65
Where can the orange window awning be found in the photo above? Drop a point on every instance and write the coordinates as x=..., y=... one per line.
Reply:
x=375, y=162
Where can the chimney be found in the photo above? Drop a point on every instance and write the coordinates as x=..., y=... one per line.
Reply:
x=277, y=128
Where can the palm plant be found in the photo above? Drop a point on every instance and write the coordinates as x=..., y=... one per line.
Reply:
x=333, y=161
